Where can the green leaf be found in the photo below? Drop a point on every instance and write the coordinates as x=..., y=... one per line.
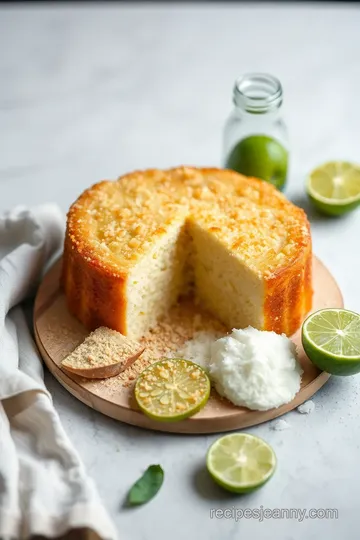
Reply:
x=147, y=486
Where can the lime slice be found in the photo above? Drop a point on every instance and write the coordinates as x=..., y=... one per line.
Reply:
x=262, y=157
x=331, y=339
x=334, y=188
x=172, y=389
x=240, y=462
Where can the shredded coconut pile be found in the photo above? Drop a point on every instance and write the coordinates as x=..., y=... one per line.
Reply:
x=255, y=369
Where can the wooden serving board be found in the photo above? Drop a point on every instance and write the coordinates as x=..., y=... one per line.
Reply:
x=57, y=333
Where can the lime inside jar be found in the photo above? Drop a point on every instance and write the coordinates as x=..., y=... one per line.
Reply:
x=255, y=135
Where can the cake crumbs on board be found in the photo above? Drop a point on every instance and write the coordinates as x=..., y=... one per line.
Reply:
x=180, y=325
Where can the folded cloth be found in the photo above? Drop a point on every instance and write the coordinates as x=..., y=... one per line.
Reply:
x=44, y=488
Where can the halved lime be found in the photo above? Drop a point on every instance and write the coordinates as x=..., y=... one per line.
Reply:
x=334, y=188
x=262, y=157
x=331, y=339
x=172, y=389
x=240, y=462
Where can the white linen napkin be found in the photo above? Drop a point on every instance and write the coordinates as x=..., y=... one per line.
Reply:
x=44, y=488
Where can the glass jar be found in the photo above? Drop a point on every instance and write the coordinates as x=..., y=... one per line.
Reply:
x=255, y=135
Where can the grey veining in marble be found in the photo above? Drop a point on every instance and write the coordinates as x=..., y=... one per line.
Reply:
x=91, y=92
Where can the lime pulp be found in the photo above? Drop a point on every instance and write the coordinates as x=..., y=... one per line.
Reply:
x=172, y=389
x=260, y=156
x=334, y=187
x=240, y=462
x=331, y=339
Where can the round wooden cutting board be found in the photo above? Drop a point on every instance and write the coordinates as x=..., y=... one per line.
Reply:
x=57, y=333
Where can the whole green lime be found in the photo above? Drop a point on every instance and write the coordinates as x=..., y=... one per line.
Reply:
x=262, y=157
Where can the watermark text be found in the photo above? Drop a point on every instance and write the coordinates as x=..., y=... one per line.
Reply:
x=262, y=513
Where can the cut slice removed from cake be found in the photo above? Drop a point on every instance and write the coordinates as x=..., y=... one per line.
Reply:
x=104, y=353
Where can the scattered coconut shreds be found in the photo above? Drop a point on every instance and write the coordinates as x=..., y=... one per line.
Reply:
x=198, y=349
x=184, y=321
x=280, y=425
x=306, y=408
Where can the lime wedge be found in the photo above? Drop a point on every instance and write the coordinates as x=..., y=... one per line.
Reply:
x=172, y=390
x=331, y=339
x=240, y=462
x=334, y=188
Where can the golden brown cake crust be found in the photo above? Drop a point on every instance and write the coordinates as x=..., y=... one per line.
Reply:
x=98, y=254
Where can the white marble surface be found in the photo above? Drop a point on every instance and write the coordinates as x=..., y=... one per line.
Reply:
x=88, y=93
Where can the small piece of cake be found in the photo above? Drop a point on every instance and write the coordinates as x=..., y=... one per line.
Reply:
x=104, y=353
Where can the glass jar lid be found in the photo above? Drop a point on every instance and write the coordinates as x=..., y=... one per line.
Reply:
x=258, y=93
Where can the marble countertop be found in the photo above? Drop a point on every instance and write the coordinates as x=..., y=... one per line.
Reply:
x=92, y=92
